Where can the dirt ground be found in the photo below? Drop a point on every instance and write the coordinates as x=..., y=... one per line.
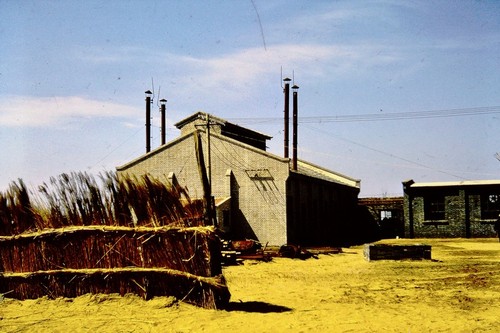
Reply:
x=457, y=291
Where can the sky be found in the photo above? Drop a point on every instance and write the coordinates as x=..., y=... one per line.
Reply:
x=389, y=90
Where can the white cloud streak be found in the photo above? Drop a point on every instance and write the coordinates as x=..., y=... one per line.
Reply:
x=230, y=76
x=26, y=111
x=252, y=67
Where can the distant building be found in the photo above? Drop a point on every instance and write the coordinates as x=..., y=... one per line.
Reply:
x=257, y=194
x=386, y=213
x=451, y=209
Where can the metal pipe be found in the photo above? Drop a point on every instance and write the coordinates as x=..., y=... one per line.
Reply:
x=286, y=91
x=148, y=121
x=163, y=103
x=295, y=125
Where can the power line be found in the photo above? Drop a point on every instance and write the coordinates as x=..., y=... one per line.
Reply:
x=382, y=116
x=116, y=148
x=388, y=154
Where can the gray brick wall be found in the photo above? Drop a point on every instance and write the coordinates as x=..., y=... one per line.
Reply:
x=261, y=199
x=455, y=221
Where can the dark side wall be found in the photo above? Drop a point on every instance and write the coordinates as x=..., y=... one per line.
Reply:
x=319, y=212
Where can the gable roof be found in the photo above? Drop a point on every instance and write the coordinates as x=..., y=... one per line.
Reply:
x=243, y=136
x=190, y=134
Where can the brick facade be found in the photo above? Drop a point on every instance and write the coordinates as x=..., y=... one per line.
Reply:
x=469, y=209
x=258, y=196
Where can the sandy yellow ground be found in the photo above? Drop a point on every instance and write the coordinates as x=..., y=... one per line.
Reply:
x=458, y=291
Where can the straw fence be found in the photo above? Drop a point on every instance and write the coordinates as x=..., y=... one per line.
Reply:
x=122, y=235
x=209, y=292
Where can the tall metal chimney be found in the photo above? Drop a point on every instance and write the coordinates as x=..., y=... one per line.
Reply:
x=148, y=120
x=163, y=103
x=286, y=91
x=295, y=111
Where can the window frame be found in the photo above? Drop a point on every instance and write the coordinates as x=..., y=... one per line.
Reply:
x=435, y=207
x=490, y=206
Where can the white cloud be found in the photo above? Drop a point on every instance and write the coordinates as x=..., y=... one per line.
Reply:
x=231, y=76
x=254, y=66
x=26, y=111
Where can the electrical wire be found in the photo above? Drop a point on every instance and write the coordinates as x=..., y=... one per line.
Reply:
x=115, y=148
x=316, y=130
x=381, y=116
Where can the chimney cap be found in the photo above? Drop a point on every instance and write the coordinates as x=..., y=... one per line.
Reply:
x=287, y=79
x=295, y=87
x=163, y=101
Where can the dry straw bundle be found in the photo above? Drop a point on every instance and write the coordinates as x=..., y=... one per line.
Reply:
x=135, y=234
x=80, y=199
x=209, y=292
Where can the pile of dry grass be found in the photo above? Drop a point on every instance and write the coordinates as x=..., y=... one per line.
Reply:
x=116, y=235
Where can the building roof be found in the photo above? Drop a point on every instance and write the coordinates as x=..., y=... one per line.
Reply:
x=233, y=128
x=384, y=201
x=311, y=170
x=304, y=168
x=412, y=184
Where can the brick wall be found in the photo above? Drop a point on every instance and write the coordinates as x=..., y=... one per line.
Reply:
x=462, y=214
x=257, y=181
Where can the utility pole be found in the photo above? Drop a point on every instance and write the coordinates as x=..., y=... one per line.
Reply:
x=209, y=159
x=208, y=211
x=206, y=170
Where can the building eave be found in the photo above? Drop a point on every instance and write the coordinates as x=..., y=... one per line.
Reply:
x=455, y=183
x=153, y=152
x=315, y=171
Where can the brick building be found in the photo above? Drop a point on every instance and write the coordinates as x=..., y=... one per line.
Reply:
x=451, y=209
x=257, y=194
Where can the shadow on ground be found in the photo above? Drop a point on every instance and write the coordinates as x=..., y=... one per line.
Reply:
x=254, y=306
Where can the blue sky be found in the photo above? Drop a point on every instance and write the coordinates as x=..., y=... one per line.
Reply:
x=73, y=76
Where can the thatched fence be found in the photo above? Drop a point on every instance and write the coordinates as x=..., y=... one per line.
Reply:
x=129, y=236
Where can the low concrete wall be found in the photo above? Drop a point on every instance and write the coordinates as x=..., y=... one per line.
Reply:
x=396, y=252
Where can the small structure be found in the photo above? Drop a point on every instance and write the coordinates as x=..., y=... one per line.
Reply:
x=451, y=209
x=387, y=213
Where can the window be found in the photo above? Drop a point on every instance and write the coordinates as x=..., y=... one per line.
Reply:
x=434, y=207
x=490, y=206
x=385, y=214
